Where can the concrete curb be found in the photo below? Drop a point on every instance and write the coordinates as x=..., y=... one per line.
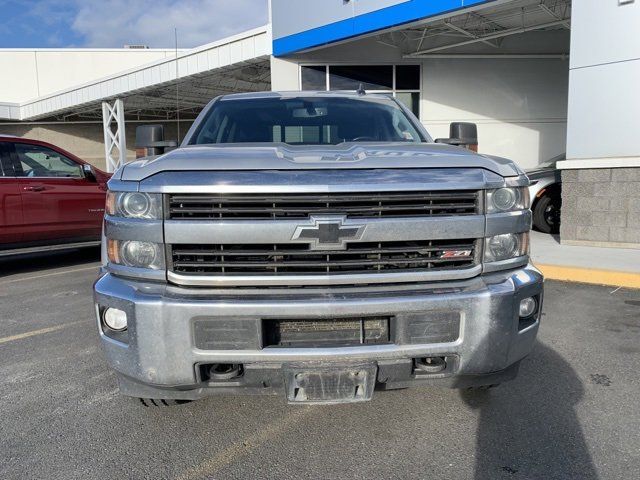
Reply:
x=590, y=275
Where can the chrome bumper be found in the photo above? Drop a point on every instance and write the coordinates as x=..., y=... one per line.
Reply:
x=159, y=352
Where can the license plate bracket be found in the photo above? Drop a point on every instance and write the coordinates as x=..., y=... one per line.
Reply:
x=330, y=383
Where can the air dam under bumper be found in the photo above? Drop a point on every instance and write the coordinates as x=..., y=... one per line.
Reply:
x=158, y=357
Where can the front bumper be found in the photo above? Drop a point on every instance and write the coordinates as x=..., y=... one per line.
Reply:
x=158, y=356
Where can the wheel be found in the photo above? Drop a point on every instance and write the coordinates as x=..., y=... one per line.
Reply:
x=546, y=213
x=156, y=402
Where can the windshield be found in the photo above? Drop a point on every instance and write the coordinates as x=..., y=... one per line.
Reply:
x=305, y=121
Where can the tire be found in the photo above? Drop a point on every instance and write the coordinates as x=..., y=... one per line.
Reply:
x=546, y=213
x=156, y=402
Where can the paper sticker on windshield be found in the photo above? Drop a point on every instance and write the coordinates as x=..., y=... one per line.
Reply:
x=407, y=136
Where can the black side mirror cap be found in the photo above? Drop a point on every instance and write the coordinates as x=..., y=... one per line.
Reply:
x=88, y=172
x=462, y=134
x=150, y=141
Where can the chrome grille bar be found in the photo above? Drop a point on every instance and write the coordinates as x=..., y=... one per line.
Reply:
x=291, y=206
x=285, y=259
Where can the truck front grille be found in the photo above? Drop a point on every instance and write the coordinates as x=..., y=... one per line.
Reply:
x=299, y=259
x=288, y=206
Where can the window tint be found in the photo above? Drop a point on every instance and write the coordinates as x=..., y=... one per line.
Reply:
x=306, y=121
x=408, y=77
x=314, y=78
x=4, y=157
x=37, y=161
x=372, y=77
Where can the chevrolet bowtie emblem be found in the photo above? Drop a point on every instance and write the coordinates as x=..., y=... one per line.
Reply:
x=328, y=233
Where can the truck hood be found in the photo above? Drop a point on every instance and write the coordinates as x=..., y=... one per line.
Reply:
x=286, y=157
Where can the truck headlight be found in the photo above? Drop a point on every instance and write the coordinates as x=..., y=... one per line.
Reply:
x=506, y=246
x=133, y=253
x=507, y=199
x=134, y=205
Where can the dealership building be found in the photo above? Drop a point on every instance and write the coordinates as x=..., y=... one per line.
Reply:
x=542, y=79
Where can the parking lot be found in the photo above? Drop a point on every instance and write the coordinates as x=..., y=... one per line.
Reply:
x=573, y=412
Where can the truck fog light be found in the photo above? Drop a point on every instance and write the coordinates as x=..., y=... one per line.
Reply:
x=527, y=307
x=115, y=319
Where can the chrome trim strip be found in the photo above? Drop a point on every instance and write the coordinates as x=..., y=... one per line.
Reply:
x=282, y=231
x=48, y=248
x=337, y=279
x=378, y=352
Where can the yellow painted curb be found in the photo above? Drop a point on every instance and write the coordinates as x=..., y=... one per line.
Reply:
x=590, y=275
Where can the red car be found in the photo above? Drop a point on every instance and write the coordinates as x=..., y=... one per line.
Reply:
x=49, y=198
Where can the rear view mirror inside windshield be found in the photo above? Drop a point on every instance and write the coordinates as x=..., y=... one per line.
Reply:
x=309, y=112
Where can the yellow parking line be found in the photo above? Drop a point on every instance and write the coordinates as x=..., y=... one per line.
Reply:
x=591, y=276
x=35, y=277
x=245, y=446
x=42, y=331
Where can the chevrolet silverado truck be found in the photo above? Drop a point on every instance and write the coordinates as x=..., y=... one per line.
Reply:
x=319, y=246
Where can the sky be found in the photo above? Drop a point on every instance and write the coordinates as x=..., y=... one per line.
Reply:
x=114, y=23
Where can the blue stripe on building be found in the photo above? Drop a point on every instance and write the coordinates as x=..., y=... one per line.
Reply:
x=369, y=22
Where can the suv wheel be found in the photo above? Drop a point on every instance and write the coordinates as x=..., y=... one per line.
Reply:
x=546, y=213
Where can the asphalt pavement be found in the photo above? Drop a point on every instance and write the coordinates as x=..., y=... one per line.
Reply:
x=573, y=412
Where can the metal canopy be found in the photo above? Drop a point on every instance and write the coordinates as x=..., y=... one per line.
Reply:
x=188, y=95
x=156, y=91
x=487, y=30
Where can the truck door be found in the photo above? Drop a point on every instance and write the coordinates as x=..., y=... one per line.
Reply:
x=10, y=202
x=58, y=202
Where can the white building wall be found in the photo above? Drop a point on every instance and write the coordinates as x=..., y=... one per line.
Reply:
x=519, y=104
x=605, y=74
x=30, y=73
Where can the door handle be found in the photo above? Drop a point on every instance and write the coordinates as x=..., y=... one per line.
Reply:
x=34, y=188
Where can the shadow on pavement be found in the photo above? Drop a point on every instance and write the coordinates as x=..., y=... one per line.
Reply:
x=530, y=428
x=37, y=262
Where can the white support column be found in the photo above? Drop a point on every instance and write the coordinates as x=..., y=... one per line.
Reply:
x=114, y=139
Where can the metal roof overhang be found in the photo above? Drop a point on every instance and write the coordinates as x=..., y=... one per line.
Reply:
x=377, y=20
x=234, y=64
x=450, y=28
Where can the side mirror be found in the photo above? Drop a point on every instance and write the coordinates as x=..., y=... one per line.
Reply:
x=462, y=134
x=150, y=141
x=88, y=172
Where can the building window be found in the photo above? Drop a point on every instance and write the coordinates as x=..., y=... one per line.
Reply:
x=314, y=78
x=400, y=81
x=371, y=77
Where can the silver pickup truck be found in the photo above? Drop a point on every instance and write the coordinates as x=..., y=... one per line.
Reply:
x=318, y=246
